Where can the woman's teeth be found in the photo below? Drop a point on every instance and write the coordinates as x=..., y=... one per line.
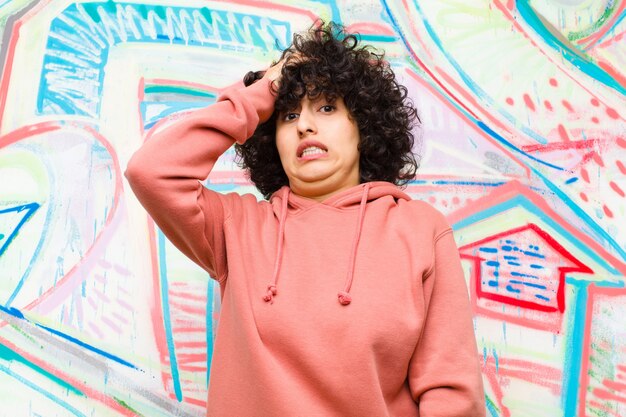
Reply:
x=312, y=151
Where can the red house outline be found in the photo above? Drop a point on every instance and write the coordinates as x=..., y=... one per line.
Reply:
x=574, y=266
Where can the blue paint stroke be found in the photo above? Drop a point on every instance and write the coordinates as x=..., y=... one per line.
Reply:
x=528, y=284
x=534, y=254
x=569, y=53
x=574, y=352
x=209, y=327
x=513, y=290
x=20, y=284
x=522, y=275
x=87, y=346
x=40, y=390
x=28, y=210
x=488, y=250
x=18, y=314
x=166, y=316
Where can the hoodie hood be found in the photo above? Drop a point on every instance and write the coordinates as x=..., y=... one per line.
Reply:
x=284, y=201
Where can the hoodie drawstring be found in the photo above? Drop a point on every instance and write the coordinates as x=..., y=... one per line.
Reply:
x=271, y=287
x=344, y=296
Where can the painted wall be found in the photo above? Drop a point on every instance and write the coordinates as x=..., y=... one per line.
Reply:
x=523, y=147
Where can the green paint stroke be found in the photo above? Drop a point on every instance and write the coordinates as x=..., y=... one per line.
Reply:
x=10, y=356
x=574, y=36
x=126, y=406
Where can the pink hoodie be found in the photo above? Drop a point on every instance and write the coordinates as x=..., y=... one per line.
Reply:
x=355, y=306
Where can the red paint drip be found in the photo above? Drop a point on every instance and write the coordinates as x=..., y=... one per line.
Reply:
x=585, y=175
x=584, y=197
x=510, y=101
x=568, y=106
x=553, y=82
x=621, y=142
x=529, y=102
x=563, y=133
x=595, y=102
x=548, y=105
x=612, y=113
x=595, y=119
x=617, y=189
x=621, y=167
x=607, y=211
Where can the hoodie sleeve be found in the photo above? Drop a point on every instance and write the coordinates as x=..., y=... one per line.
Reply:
x=165, y=173
x=444, y=372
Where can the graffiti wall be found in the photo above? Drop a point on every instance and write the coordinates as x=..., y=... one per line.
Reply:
x=523, y=147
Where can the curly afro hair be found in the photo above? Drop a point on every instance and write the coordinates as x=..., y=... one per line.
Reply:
x=331, y=63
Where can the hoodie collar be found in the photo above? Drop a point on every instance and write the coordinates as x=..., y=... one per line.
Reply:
x=360, y=194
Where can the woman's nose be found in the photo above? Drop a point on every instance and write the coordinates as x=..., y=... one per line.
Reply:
x=306, y=123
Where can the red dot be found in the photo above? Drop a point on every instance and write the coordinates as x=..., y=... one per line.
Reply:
x=621, y=167
x=510, y=101
x=621, y=142
x=529, y=102
x=563, y=133
x=432, y=199
x=612, y=113
x=455, y=200
x=444, y=203
x=553, y=82
x=595, y=102
x=595, y=119
x=584, y=174
x=568, y=106
x=548, y=105
x=616, y=188
x=584, y=197
x=608, y=212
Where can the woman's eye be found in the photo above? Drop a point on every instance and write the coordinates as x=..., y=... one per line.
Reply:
x=290, y=116
x=327, y=108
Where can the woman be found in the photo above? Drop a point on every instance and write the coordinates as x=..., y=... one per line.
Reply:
x=341, y=296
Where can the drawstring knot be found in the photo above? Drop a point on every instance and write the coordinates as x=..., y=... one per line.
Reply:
x=344, y=298
x=271, y=287
x=271, y=292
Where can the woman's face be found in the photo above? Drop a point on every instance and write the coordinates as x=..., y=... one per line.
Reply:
x=318, y=147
